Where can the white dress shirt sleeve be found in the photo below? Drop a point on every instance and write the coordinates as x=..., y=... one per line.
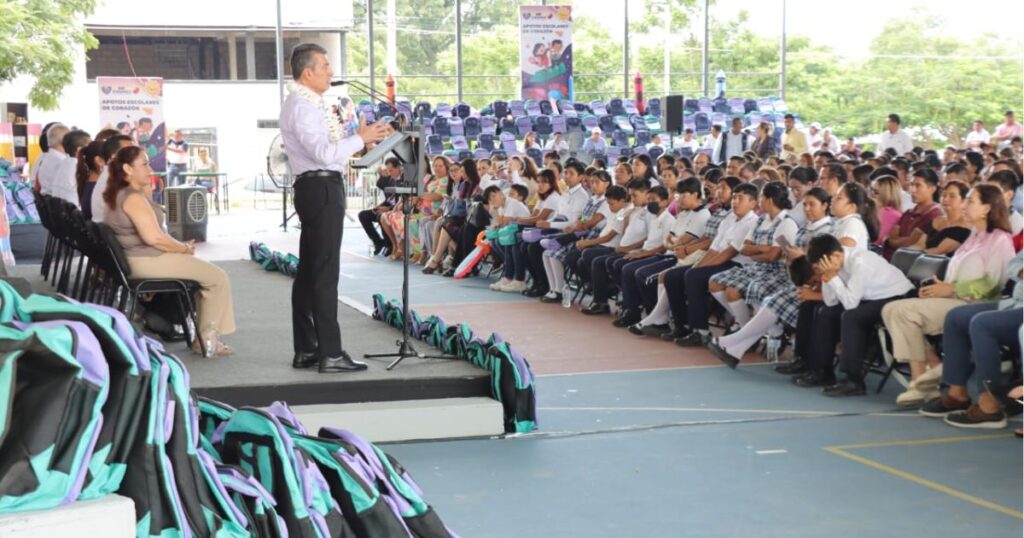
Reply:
x=847, y=287
x=313, y=135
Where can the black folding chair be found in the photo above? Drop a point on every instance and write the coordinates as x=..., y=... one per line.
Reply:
x=116, y=264
x=904, y=258
x=924, y=266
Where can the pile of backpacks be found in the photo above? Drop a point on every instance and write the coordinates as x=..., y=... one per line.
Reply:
x=89, y=407
x=512, y=381
x=272, y=260
x=19, y=200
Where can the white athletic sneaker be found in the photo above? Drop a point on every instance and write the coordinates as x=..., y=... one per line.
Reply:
x=515, y=286
x=499, y=284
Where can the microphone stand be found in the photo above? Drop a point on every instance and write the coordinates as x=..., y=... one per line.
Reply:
x=405, y=349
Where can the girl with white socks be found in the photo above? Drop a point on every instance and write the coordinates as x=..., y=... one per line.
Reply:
x=780, y=306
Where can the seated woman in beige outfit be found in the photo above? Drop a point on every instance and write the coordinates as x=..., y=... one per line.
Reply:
x=976, y=272
x=152, y=253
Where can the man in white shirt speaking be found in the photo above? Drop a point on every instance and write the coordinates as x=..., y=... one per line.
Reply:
x=317, y=151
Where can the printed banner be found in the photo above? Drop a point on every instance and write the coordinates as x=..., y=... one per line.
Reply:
x=545, y=51
x=134, y=106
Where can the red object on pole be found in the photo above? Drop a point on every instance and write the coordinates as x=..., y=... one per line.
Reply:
x=390, y=84
x=638, y=88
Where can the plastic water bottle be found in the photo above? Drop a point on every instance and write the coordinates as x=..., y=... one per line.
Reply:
x=772, y=349
x=209, y=337
x=566, y=299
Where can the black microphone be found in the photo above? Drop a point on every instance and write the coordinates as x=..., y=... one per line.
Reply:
x=338, y=82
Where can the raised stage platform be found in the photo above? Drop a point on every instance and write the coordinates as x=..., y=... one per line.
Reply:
x=260, y=372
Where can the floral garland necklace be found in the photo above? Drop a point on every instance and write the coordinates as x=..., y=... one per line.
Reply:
x=335, y=131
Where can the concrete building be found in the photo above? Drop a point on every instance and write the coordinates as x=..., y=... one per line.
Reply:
x=218, y=61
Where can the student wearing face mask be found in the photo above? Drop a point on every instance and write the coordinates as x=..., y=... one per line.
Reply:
x=639, y=283
x=659, y=226
x=690, y=301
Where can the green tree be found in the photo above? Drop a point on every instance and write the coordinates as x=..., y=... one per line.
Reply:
x=42, y=39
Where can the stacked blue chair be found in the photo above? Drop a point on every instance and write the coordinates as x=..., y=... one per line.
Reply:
x=455, y=126
x=615, y=107
x=462, y=110
x=485, y=141
x=630, y=107
x=508, y=144
x=543, y=126
x=517, y=108
x=500, y=109
x=434, y=145
x=607, y=124
x=423, y=112
x=488, y=125
x=532, y=108
x=654, y=107
x=620, y=139
x=460, y=144
x=622, y=123
x=443, y=110
x=702, y=123
x=546, y=108
x=655, y=152
x=643, y=137
x=471, y=126
x=523, y=125
x=560, y=124
x=440, y=126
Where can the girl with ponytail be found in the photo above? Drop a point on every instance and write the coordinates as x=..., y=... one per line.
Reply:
x=87, y=172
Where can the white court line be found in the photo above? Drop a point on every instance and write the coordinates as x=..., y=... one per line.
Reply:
x=768, y=452
x=693, y=409
x=631, y=370
x=727, y=410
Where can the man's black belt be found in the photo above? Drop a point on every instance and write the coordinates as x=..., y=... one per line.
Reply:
x=325, y=174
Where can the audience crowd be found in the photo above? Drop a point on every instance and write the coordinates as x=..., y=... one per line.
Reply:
x=778, y=242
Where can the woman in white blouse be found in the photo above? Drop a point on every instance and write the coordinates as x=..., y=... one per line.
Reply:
x=856, y=219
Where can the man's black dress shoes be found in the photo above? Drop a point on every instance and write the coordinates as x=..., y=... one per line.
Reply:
x=341, y=363
x=305, y=360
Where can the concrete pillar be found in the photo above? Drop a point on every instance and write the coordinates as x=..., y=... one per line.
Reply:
x=232, y=57
x=250, y=56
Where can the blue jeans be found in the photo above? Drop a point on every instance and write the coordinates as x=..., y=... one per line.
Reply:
x=174, y=174
x=514, y=267
x=977, y=330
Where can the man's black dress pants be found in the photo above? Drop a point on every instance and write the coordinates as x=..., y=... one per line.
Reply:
x=320, y=206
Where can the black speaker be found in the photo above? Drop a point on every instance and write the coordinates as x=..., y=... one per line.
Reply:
x=674, y=113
